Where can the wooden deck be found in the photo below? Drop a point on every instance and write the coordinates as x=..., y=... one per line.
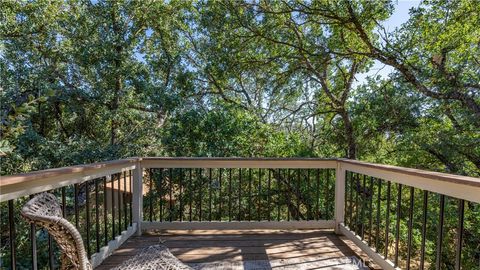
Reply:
x=252, y=249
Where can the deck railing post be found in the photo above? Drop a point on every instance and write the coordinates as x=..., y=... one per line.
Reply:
x=137, y=199
x=339, y=196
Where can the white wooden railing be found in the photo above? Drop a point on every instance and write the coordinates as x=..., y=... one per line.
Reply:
x=154, y=185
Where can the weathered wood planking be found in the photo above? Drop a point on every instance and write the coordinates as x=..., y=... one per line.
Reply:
x=240, y=246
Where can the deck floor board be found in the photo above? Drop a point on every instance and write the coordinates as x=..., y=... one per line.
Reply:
x=252, y=249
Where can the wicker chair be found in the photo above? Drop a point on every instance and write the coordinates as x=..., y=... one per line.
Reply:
x=44, y=210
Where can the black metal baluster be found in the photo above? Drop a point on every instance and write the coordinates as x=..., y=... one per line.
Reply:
x=75, y=206
x=87, y=214
x=170, y=196
x=397, y=230
x=327, y=180
x=289, y=187
x=210, y=187
x=124, y=200
x=351, y=181
x=410, y=226
x=160, y=193
x=239, y=194
x=112, y=183
x=438, y=264
x=130, y=183
x=249, y=194
x=220, y=172
x=458, y=252
x=150, y=176
x=105, y=212
x=97, y=218
x=387, y=220
x=357, y=215
x=298, y=194
x=157, y=194
x=317, y=200
x=345, y=205
x=362, y=211
x=119, y=204
x=424, y=229
x=33, y=240
x=259, y=199
x=190, y=195
x=229, y=194
x=377, y=231
x=370, y=214
x=64, y=203
x=268, y=195
x=181, y=194
x=307, y=203
x=12, y=235
x=200, y=177
x=278, y=194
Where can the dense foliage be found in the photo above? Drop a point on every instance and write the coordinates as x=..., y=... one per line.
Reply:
x=86, y=81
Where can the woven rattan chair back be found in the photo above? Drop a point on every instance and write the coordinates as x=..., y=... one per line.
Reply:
x=44, y=210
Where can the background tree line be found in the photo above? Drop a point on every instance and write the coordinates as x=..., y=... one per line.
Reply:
x=84, y=81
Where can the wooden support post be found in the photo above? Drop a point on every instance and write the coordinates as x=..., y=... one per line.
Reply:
x=137, y=199
x=339, y=197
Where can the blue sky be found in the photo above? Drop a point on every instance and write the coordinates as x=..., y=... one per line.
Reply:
x=399, y=16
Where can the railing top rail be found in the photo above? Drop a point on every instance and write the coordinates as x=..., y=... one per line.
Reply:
x=240, y=158
x=453, y=178
x=237, y=162
x=57, y=172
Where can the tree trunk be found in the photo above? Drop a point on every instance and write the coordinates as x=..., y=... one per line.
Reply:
x=349, y=135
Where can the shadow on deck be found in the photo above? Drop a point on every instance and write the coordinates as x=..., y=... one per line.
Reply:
x=250, y=249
